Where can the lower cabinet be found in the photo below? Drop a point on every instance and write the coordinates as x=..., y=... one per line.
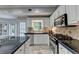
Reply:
x=63, y=50
x=41, y=39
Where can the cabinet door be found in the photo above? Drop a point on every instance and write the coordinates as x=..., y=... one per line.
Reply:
x=71, y=12
x=61, y=10
x=41, y=39
x=77, y=12
x=56, y=14
x=44, y=39
x=52, y=20
x=36, y=39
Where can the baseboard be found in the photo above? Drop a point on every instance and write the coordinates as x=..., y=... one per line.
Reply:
x=40, y=44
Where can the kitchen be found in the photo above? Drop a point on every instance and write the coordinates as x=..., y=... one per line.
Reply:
x=39, y=29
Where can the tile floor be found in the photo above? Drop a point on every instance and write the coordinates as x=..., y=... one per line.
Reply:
x=38, y=50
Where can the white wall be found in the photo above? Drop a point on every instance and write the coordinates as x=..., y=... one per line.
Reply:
x=28, y=21
x=46, y=22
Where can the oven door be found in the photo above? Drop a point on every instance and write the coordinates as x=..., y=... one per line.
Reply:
x=53, y=46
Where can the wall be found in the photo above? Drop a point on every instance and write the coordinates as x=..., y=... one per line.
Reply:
x=27, y=20
x=13, y=21
x=46, y=21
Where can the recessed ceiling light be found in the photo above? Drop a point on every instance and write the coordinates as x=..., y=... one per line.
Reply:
x=36, y=11
x=29, y=9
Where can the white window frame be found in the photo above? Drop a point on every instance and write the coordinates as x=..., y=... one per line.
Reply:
x=33, y=21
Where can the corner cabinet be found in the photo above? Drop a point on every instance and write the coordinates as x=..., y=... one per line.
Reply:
x=71, y=14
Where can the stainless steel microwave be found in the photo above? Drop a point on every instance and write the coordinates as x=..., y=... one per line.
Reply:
x=61, y=20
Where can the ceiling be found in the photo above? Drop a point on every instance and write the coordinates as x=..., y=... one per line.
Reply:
x=17, y=11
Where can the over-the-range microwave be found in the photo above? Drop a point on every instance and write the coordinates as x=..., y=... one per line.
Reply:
x=61, y=20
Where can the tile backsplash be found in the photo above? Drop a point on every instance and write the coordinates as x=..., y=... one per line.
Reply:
x=70, y=31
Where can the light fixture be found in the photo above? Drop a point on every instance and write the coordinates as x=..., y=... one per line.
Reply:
x=29, y=9
x=36, y=11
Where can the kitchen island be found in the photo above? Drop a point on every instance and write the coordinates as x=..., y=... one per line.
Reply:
x=39, y=38
x=11, y=44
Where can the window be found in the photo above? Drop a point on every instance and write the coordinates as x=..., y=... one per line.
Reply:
x=37, y=25
x=22, y=28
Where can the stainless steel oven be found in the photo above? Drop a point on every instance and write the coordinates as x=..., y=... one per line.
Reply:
x=54, y=45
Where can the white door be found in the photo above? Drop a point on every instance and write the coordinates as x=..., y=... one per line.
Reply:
x=12, y=29
x=22, y=28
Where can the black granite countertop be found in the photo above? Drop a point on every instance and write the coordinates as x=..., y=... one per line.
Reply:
x=68, y=42
x=68, y=47
x=11, y=44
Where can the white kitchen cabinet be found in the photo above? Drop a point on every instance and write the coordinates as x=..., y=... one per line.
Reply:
x=61, y=10
x=41, y=39
x=71, y=13
x=63, y=50
x=55, y=14
x=53, y=17
x=51, y=20
x=77, y=12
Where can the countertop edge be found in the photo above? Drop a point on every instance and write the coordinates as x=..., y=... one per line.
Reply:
x=67, y=47
x=19, y=46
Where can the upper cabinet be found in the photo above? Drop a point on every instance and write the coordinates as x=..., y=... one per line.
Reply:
x=77, y=12
x=61, y=10
x=51, y=21
x=52, y=17
x=71, y=14
x=55, y=14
